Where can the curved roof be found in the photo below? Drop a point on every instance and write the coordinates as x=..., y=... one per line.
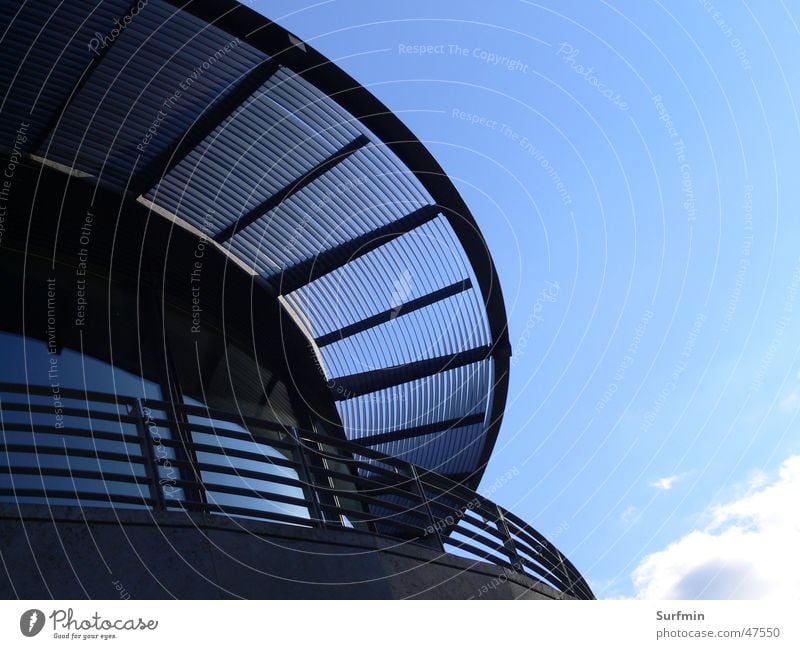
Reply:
x=222, y=120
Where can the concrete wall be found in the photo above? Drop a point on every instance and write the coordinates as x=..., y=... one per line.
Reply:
x=72, y=553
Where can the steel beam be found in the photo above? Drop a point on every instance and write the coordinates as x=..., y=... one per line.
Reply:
x=420, y=431
x=354, y=385
x=396, y=312
x=291, y=188
x=329, y=260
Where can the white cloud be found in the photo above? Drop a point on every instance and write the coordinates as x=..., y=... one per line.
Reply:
x=747, y=551
x=667, y=483
x=757, y=479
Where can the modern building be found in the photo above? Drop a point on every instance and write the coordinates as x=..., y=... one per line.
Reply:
x=253, y=342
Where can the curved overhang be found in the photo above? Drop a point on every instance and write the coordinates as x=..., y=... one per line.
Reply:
x=222, y=121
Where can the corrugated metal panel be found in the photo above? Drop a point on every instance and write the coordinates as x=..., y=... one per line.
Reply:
x=438, y=330
x=44, y=50
x=308, y=106
x=255, y=152
x=162, y=72
x=406, y=268
x=456, y=451
x=346, y=202
x=448, y=395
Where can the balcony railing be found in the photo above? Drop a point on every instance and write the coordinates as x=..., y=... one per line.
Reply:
x=94, y=448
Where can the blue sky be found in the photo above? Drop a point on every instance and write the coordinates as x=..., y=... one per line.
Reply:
x=632, y=166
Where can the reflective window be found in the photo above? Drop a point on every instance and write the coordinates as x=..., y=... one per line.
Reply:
x=248, y=471
x=75, y=440
x=80, y=394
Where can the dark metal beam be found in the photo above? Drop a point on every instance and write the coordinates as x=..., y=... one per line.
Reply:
x=354, y=385
x=420, y=431
x=292, y=188
x=177, y=150
x=329, y=260
x=396, y=312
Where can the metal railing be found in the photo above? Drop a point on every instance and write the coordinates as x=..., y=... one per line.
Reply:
x=98, y=448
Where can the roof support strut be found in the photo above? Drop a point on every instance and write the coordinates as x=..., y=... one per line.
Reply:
x=329, y=260
x=292, y=188
x=420, y=431
x=396, y=312
x=355, y=385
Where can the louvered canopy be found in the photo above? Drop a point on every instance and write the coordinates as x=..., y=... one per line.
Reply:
x=211, y=115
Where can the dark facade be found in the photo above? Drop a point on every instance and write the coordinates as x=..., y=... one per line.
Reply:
x=238, y=289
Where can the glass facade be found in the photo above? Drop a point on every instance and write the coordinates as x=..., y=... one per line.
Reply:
x=78, y=392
